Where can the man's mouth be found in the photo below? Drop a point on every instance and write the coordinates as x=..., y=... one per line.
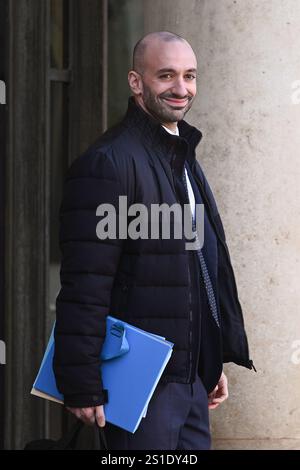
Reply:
x=176, y=102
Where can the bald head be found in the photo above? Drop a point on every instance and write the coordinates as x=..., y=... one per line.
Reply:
x=151, y=41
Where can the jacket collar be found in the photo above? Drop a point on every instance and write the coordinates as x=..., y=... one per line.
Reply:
x=158, y=138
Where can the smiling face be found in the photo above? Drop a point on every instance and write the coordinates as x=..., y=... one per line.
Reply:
x=165, y=83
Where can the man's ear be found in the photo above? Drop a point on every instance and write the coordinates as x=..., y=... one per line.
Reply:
x=135, y=82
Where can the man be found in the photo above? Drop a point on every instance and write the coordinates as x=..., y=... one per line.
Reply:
x=187, y=296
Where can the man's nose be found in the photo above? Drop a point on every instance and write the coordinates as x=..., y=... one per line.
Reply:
x=179, y=88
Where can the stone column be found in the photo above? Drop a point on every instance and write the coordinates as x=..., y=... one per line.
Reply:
x=248, y=109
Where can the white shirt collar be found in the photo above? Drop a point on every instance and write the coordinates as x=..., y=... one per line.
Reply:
x=171, y=132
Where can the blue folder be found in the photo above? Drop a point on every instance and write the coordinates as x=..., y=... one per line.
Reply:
x=133, y=361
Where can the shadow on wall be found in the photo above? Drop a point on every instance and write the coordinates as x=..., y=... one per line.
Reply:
x=125, y=28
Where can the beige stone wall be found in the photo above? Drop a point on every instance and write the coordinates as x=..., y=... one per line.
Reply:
x=249, y=61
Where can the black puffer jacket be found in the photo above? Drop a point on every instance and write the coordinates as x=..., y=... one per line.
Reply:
x=144, y=282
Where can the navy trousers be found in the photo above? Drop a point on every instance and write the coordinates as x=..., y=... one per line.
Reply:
x=177, y=418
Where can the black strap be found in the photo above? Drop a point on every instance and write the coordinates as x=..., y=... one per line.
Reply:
x=69, y=441
x=100, y=442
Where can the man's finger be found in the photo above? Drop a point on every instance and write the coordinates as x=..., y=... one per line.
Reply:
x=75, y=412
x=100, y=417
x=223, y=396
x=88, y=413
x=212, y=407
x=216, y=402
x=219, y=399
x=213, y=393
x=88, y=416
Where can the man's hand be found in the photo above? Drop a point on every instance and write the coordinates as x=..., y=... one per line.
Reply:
x=219, y=394
x=90, y=415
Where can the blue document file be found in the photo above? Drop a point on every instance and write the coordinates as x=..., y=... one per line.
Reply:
x=133, y=361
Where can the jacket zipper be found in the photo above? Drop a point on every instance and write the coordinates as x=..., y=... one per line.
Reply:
x=190, y=303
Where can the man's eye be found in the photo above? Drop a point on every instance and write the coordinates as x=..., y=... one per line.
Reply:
x=166, y=75
x=190, y=76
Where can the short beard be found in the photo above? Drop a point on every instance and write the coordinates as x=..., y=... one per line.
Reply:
x=160, y=110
